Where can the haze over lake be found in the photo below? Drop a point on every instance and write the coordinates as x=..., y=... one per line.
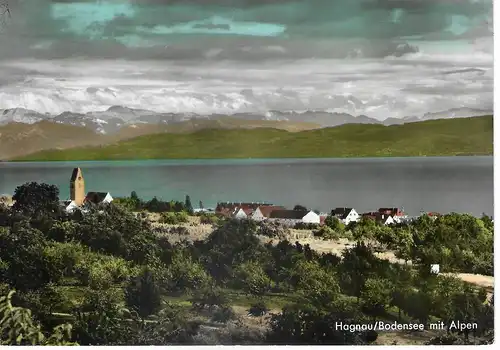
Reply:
x=442, y=184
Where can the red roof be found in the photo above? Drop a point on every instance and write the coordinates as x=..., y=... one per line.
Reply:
x=391, y=211
x=266, y=210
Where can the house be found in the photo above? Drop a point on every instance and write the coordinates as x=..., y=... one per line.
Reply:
x=345, y=215
x=98, y=197
x=391, y=211
x=293, y=217
x=231, y=209
x=380, y=218
x=264, y=212
x=77, y=193
x=242, y=212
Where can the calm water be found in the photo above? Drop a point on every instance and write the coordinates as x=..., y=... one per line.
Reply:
x=460, y=184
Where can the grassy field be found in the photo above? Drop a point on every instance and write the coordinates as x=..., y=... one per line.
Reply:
x=450, y=137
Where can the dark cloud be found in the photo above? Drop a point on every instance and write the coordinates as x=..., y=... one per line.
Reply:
x=382, y=27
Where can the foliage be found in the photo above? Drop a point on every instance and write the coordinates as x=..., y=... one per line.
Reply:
x=188, y=205
x=273, y=229
x=143, y=294
x=307, y=325
x=98, y=320
x=376, y=296
x=34, y=199
x=174, y=218
x=210, y=297
x=25, y=266
x=258, y=309
x=305, y=226
x=184, y=274
x=334, y=223
x=326, y=233
x=252, y=278
x=17, y=327
x=224, y=314
x=210, y=219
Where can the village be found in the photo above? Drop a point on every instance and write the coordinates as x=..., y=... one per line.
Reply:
x=256, y=211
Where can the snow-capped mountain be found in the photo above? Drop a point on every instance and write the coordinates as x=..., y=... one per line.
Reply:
x=116, y=117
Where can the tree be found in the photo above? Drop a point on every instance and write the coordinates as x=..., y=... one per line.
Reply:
x=17, y=327
x=143, y=294
x=34, y=199
x=376, y=296
x=188, y=205
x=299, y=207
x=307, y=325
x=252, y=277
x=334, y=223
x=22, y=248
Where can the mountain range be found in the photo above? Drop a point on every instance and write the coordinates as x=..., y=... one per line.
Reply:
x=116, y=118
x=24, y=131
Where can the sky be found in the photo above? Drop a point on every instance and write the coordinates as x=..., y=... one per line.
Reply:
x=380, y=58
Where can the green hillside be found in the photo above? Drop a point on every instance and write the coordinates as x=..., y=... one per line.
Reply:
x=463, y=136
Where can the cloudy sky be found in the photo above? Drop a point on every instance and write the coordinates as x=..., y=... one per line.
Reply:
x=380, y=58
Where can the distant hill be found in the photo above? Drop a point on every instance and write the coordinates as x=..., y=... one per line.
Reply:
x=445, y=137
x=20, y=139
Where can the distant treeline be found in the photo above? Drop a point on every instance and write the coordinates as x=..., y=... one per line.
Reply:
x=155, y=205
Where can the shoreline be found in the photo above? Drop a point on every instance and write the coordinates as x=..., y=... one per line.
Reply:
x=250, y=159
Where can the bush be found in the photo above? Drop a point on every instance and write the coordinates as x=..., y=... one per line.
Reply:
x=273, y=229
x=258, y=309
x=209, y=219
x=305, y=226
x=223, y=314
x=102, y=271
x=326, y=233
x=210, y=297
x=174, y=218
x=143, y=295
x=179, y=230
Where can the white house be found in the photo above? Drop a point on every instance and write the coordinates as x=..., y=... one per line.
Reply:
x=387, y=220
x=293, y=217
x=240, y=214
x=92, y=197
x=346, y=215
x=69, y=206
x=98, y=197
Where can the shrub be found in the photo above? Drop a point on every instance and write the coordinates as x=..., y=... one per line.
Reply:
x=174, y=218
x=305, y=226
x=258, y=309
x=223, y=314
x=179, y=230
x=326, y=233
x=143, y=295
x=210, y=219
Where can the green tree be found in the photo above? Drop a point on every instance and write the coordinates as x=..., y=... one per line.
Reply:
x=334, y=223
x=376, y=296
x=143, y=294
x=33, y=198
x=17, y=327
x=188, y=205
x=23, y=253
x=253, y=279
x=300, y=207
x=185, y=275
x=302, y=324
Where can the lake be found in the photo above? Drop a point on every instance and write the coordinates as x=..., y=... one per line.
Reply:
x=442, y=184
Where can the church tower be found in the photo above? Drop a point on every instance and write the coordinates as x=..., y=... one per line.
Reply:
x=77, y=187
